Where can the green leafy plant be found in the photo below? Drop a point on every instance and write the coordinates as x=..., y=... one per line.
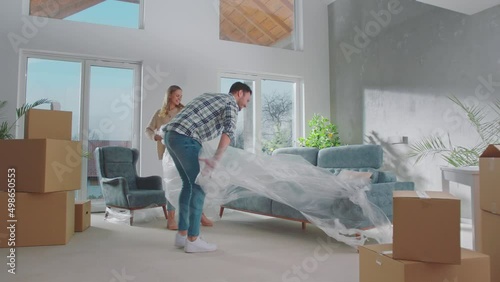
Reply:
x=5, y=128
x=323, y=134
x=459, y=156
x=280, y=140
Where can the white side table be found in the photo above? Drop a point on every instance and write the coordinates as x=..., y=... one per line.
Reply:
x=467, y=176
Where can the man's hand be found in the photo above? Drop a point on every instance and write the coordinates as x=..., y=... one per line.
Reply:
x=210, y=165
x=158, y=137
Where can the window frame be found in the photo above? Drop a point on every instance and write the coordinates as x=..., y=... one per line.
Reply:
x=298, y=126
x=86, y=63
x=26, y=12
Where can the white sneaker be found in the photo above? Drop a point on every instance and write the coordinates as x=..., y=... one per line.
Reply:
x=199, y=246
x=180, y=241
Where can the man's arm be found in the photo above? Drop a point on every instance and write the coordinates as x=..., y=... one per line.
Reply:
x=223, y=144
x=211, y=163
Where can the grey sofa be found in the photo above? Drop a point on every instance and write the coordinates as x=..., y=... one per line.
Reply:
x=353, y=157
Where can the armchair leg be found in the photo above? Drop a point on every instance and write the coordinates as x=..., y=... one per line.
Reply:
x=303, y=226
x=221, y=211
x=165, y=212
x=131, y=217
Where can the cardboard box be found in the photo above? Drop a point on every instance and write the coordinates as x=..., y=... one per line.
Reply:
x=489, y=179
x=41, y=165
x=41, y=124
x=42, y=219
x=376, y=264
x=490, y=242
x=82, y=215
x=426, y=226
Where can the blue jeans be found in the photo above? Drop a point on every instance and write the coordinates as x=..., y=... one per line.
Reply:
x=185, y=151
x=170, y=207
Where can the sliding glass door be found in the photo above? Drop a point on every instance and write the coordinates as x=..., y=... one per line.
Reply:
x=103, y=97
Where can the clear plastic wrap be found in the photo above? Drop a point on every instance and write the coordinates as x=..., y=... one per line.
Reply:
x=122, y=216
x=326, y=200
x=323, y=198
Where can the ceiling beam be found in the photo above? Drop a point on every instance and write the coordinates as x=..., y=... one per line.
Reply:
x=287, y=4
x=54, y=9
x=237, y=28
x=57, y=9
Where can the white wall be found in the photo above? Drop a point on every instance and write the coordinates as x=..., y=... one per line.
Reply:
x=180, y=38
x=399, y=83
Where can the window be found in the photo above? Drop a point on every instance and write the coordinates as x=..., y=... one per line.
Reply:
x=122, y=13
x=271, y=119
x=273, y=23
x=102, y=97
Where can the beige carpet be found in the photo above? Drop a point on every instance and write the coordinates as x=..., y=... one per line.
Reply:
x=251, y=248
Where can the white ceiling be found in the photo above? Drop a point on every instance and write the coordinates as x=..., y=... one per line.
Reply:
x=468, y=7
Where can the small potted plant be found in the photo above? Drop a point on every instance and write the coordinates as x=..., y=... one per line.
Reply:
x=323, y=134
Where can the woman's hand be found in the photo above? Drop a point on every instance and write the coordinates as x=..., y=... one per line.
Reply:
x=158, y=137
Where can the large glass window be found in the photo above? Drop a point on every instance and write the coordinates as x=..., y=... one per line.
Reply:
x=278, y=114
x=101, y=96
x=271, y=119
x=122, y=13
x=57, y=80
x=273, y=23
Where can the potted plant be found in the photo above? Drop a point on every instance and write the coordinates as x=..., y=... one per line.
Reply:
x=460, y=156
x=5, y=128
x=323, y=134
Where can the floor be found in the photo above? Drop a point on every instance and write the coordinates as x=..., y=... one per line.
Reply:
x=250, y=248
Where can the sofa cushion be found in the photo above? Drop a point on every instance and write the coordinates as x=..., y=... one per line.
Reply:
x=386, y=176
x=351, y=156
x=374, y=172
x=310, y=154
x=146, y=198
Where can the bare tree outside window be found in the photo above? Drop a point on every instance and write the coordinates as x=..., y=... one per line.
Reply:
x=277, y=120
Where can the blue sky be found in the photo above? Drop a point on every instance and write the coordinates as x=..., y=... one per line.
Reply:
x=110, y=12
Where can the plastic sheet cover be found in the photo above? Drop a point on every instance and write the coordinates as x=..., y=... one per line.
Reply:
x=325, y=199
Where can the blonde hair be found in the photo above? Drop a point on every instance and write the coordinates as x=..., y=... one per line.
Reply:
x=165, y=108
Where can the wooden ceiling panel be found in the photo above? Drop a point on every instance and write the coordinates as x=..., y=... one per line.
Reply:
x=60, y=9
x=264, y=22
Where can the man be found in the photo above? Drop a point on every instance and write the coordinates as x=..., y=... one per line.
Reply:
x=203, y=119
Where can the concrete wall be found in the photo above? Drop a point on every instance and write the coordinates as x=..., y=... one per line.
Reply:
x=397, y=82
x=180, y=38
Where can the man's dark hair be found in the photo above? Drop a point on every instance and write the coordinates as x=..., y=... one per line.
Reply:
x=237, y=86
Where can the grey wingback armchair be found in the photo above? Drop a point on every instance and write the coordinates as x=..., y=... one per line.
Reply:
x=121, y=186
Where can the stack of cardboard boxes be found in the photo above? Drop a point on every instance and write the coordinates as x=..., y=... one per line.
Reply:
x=43, y=169
x=426, y=244
x=489, y=197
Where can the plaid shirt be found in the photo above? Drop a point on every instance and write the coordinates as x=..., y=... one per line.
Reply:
x=206, y=117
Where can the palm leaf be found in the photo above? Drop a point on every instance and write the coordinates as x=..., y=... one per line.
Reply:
x=26, y=107
x=5, y=128
x=488, y=131
x=429, y=146
x=461, y=156
x=4, y=131
x=475, y=115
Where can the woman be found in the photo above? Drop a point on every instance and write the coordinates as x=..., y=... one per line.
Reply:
x=171, y=106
